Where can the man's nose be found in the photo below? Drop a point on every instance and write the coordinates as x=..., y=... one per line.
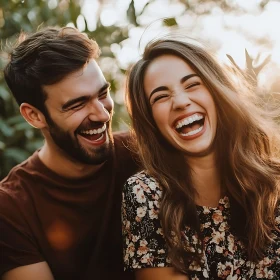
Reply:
x=98, y=112
x=180, y=100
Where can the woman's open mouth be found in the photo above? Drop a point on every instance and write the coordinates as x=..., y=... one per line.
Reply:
x=190, y=125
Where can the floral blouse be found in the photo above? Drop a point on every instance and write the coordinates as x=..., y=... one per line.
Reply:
x=224, y=256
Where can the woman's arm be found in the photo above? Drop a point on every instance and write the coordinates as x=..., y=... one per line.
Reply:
x=143, y=241
x=159, y=273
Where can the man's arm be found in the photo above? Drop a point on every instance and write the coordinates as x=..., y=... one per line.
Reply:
x=35, y=271
x=159, y=273
x=20, y=256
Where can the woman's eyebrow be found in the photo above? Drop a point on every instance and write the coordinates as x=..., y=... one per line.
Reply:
x=185, y=78
x=157, y=89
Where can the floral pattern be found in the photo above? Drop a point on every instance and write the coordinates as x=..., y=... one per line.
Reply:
x=224, y=256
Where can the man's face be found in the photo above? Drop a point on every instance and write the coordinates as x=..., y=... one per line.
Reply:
x=79, y=115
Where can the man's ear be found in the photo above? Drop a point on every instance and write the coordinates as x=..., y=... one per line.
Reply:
x=33, y=116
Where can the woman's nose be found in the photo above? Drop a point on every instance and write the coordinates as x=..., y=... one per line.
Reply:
x=180, y=100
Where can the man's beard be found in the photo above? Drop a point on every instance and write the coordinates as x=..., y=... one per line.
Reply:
x=74, y=150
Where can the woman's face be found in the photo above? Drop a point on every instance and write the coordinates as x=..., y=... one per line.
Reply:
x=182, y=107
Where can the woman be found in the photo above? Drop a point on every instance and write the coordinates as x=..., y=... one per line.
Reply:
x=206, y=205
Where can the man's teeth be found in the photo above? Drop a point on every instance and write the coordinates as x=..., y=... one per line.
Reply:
x=94, y=131
x=192, y=132
x=189, y=120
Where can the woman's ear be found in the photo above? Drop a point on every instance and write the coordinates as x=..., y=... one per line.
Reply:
x=33, y=116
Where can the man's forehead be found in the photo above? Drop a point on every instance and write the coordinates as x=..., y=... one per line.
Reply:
x=90, y=67
x=86, y=81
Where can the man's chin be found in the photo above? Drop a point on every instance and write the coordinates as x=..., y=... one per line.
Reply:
x=95, y=156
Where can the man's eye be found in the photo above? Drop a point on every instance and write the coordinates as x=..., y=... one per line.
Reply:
x=103, y=95
x=76, y=106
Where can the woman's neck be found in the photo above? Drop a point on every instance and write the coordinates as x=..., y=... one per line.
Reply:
x=206, y=180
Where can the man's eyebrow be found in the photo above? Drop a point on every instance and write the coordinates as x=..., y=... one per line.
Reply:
x=106, y=86
x=185, y=78
x=71, y=102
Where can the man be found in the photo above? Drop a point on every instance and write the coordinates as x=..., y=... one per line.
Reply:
x=60, y=209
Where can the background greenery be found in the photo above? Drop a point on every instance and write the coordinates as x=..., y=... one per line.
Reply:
x=17, y=139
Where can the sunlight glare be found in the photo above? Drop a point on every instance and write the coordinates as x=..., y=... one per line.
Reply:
x=81, y=25
x=89, y=11
x=275, y=55
x=108, y=17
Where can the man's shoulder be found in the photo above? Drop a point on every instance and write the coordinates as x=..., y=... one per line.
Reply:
x=13, y=184
x=17, y=219
x=126, y=160
x=121, y=137
x=14, y=195
x=122, y=142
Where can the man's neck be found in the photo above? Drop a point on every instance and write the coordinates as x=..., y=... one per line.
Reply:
x=64, y=166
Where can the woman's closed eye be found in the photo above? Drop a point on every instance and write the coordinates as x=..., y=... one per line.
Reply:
x=192, y=85
x=159, y=97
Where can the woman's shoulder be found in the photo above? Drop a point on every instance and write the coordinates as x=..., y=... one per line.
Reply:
x=142, y=184
x=142, y=178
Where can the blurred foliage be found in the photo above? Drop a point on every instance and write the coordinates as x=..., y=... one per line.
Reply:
x=253, y=67
x=17, y=139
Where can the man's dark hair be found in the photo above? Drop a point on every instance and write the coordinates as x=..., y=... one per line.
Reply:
x=45, y=58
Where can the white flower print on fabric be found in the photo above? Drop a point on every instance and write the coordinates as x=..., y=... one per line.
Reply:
x=141, y=212
x=223, y=257
x=140, y=197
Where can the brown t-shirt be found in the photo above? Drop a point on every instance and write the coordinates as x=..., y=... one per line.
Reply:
x=73, y=225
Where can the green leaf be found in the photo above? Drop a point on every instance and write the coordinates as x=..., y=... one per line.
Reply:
x=4, y=93
x=16, y=154
x=6, y=130
x=2, y=145
x=170, y=22
x=15, y=120
x=131, y=13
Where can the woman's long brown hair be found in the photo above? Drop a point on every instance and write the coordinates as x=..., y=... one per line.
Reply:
x=246, y=145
